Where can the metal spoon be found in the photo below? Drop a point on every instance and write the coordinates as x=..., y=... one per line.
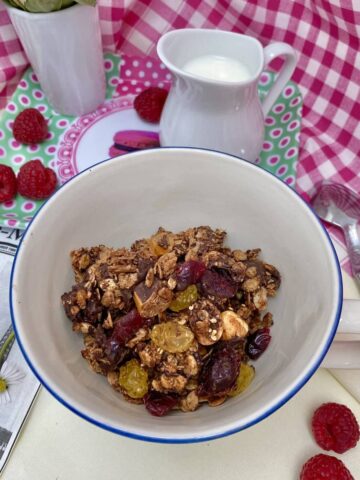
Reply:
x=338, y=205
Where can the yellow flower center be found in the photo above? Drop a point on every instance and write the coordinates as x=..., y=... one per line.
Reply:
x=3, y=385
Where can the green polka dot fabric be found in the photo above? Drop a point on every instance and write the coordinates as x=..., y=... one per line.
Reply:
x=19, y=212
x=282, y=131
x=279, y=154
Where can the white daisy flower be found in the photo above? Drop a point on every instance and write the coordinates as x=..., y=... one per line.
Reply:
x=9, y=375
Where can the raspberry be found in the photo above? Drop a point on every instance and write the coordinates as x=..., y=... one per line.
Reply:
x=149, y=104
x=325, y=467
x=7, y=183
x=335, y=427
x=30, y=127
x=35, y=181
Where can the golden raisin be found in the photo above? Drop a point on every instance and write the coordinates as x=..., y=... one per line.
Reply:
x=133, y=379
x=172, y=337
x=184, y=299
x=245, y=377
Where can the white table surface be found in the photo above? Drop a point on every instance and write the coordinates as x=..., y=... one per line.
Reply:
x=57, y=445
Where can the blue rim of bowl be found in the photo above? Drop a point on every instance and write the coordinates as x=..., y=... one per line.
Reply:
x=231, y=431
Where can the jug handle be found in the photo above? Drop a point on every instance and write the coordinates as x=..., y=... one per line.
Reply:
x=272, y=51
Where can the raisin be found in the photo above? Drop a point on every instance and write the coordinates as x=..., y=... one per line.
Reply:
x=172, y=337
x=115, y=352
x=184, y=299
x=219, y=374
x=133, y=379
x=213, y=283
x=188, y=273
x=245, y=377
x=159, y=404
x=257, y=343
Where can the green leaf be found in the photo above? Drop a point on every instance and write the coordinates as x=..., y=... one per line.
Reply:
x=41, y=6
x=87, y=2
x=46, y=6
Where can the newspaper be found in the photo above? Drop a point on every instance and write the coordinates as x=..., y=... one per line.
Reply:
x=20, y=395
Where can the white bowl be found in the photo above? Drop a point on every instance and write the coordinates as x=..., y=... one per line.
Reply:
x=126, y=198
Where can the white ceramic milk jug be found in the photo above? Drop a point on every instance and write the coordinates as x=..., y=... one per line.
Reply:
x=214, y=102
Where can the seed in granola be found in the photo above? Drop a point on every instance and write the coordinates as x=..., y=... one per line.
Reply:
x=171, y=283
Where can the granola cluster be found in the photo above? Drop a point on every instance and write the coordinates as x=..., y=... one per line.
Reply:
x=173, y=321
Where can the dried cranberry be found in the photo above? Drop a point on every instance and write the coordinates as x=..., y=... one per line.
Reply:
x=213, y=283
x=257, y=343
x=159, y=404
x=126, y=327
x=219, y=374
x=188, y=273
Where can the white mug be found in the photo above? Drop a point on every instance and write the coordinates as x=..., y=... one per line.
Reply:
x=64, y=49
x=220, y=115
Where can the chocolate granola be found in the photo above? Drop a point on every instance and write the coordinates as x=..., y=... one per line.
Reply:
x=173, y=321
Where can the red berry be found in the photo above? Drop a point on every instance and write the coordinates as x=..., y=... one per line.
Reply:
x=126, y=326
x=214, y=283
x=35, y=181
x=325, y=467
x=149, y=104
x=335, y=427
x=188, y=273
x=8, y=185
x=220, y=372
x=159, y=404
x=30, y=127
x=257, y=343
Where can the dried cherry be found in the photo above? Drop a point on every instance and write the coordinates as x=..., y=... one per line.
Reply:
x=213, y=283
x=159, y=404
x=219, y=374
x=126, y=327
x=257, y=343
x=188, y=273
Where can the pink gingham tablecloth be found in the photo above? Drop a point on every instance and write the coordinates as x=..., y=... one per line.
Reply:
x=325, y=33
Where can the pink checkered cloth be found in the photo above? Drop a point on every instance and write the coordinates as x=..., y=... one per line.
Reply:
x=325, y=33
